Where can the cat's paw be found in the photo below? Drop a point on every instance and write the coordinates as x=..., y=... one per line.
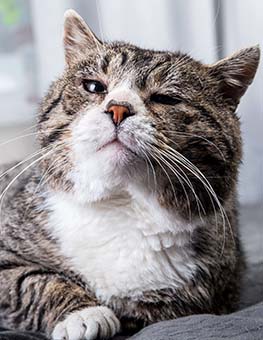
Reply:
x=89, y=323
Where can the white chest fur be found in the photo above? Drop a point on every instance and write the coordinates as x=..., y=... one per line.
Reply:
x=123, y=246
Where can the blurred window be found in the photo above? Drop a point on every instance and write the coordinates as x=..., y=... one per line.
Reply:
x=17, y=62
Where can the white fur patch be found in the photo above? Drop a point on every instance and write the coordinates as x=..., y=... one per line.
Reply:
x=88, y=323
x=123, y=246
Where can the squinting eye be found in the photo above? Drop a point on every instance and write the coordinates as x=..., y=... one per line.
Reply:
x=164, y=99
x=94, y=86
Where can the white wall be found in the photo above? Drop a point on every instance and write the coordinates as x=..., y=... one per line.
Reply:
x=243, y=26
x=159, y=24
x=48, y=18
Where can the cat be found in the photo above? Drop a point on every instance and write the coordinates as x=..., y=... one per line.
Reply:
x=128, y=213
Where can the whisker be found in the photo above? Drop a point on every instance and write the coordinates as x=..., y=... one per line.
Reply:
x=52, y=171
x=196, y=172
x=147, y=161
x=197, y=136
x=152, y=167
x=183, y=176
x=189, y=167
x=23, y=161
x=188, y=182
x=29, y=135
x=178, y=159
x=17, y=138
x=44, y=179
x=18, y=175
x=166, y=173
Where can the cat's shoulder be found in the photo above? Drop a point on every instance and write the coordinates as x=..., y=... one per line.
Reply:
x=14, y=176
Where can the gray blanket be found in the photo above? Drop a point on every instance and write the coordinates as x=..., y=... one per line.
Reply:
x=246, y=324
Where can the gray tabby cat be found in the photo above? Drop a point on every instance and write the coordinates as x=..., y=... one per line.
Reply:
x=128, y=215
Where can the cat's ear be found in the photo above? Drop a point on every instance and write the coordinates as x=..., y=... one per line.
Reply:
x=237, y=72
x=78, y=37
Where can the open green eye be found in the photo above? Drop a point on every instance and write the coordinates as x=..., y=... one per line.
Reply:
x=94, y=86
x=164, y=99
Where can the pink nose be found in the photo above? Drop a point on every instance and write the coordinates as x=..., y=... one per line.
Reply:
x=119, y=113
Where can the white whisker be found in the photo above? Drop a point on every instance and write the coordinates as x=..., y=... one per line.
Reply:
x=18, y=175
x=167, y=154
x=181, y=176
x=23, y=161
x=198, y=174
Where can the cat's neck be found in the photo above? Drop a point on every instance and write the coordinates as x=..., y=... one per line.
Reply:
x=131, y=201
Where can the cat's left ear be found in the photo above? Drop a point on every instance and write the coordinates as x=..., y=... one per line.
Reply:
x=236, y=72
x=78, y=38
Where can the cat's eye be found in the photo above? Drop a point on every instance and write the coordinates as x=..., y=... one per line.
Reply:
x=164, y=99
x=94, y=86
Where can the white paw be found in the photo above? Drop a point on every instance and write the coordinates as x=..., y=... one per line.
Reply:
x=89, y=323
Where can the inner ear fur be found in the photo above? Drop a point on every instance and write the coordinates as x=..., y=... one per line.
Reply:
x=78, y=37
x=236, y=72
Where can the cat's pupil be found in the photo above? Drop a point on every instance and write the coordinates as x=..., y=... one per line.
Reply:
x=94, y=86
x=164, y=99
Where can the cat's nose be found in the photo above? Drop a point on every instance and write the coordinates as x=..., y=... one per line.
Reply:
x=119, y=112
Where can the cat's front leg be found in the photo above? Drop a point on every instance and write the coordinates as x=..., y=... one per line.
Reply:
x=41, y=300
x=90, y=323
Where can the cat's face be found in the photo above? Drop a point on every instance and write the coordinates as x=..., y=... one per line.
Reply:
x=121, y=115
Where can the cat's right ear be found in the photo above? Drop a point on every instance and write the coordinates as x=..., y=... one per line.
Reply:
x=236, y=72
x=78, y=38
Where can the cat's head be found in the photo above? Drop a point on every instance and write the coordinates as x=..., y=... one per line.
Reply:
x=122, y=116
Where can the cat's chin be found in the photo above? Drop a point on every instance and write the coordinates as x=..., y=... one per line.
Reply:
x=104, y=172
x=113, y=145
x=116, y=153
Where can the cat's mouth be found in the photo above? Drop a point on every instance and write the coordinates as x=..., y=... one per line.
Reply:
x=115, y=142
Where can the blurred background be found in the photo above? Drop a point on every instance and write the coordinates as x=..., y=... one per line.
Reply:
x=31, y=55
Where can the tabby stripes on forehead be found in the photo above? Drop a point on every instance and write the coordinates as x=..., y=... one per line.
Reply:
x=141, y=81
x=105, y=63
x=124, y=58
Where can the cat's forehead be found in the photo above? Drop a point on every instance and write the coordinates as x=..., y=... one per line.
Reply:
x=118, y=61
x=124, y=55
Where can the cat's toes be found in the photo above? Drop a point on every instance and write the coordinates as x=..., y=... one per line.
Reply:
x=89, y=323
